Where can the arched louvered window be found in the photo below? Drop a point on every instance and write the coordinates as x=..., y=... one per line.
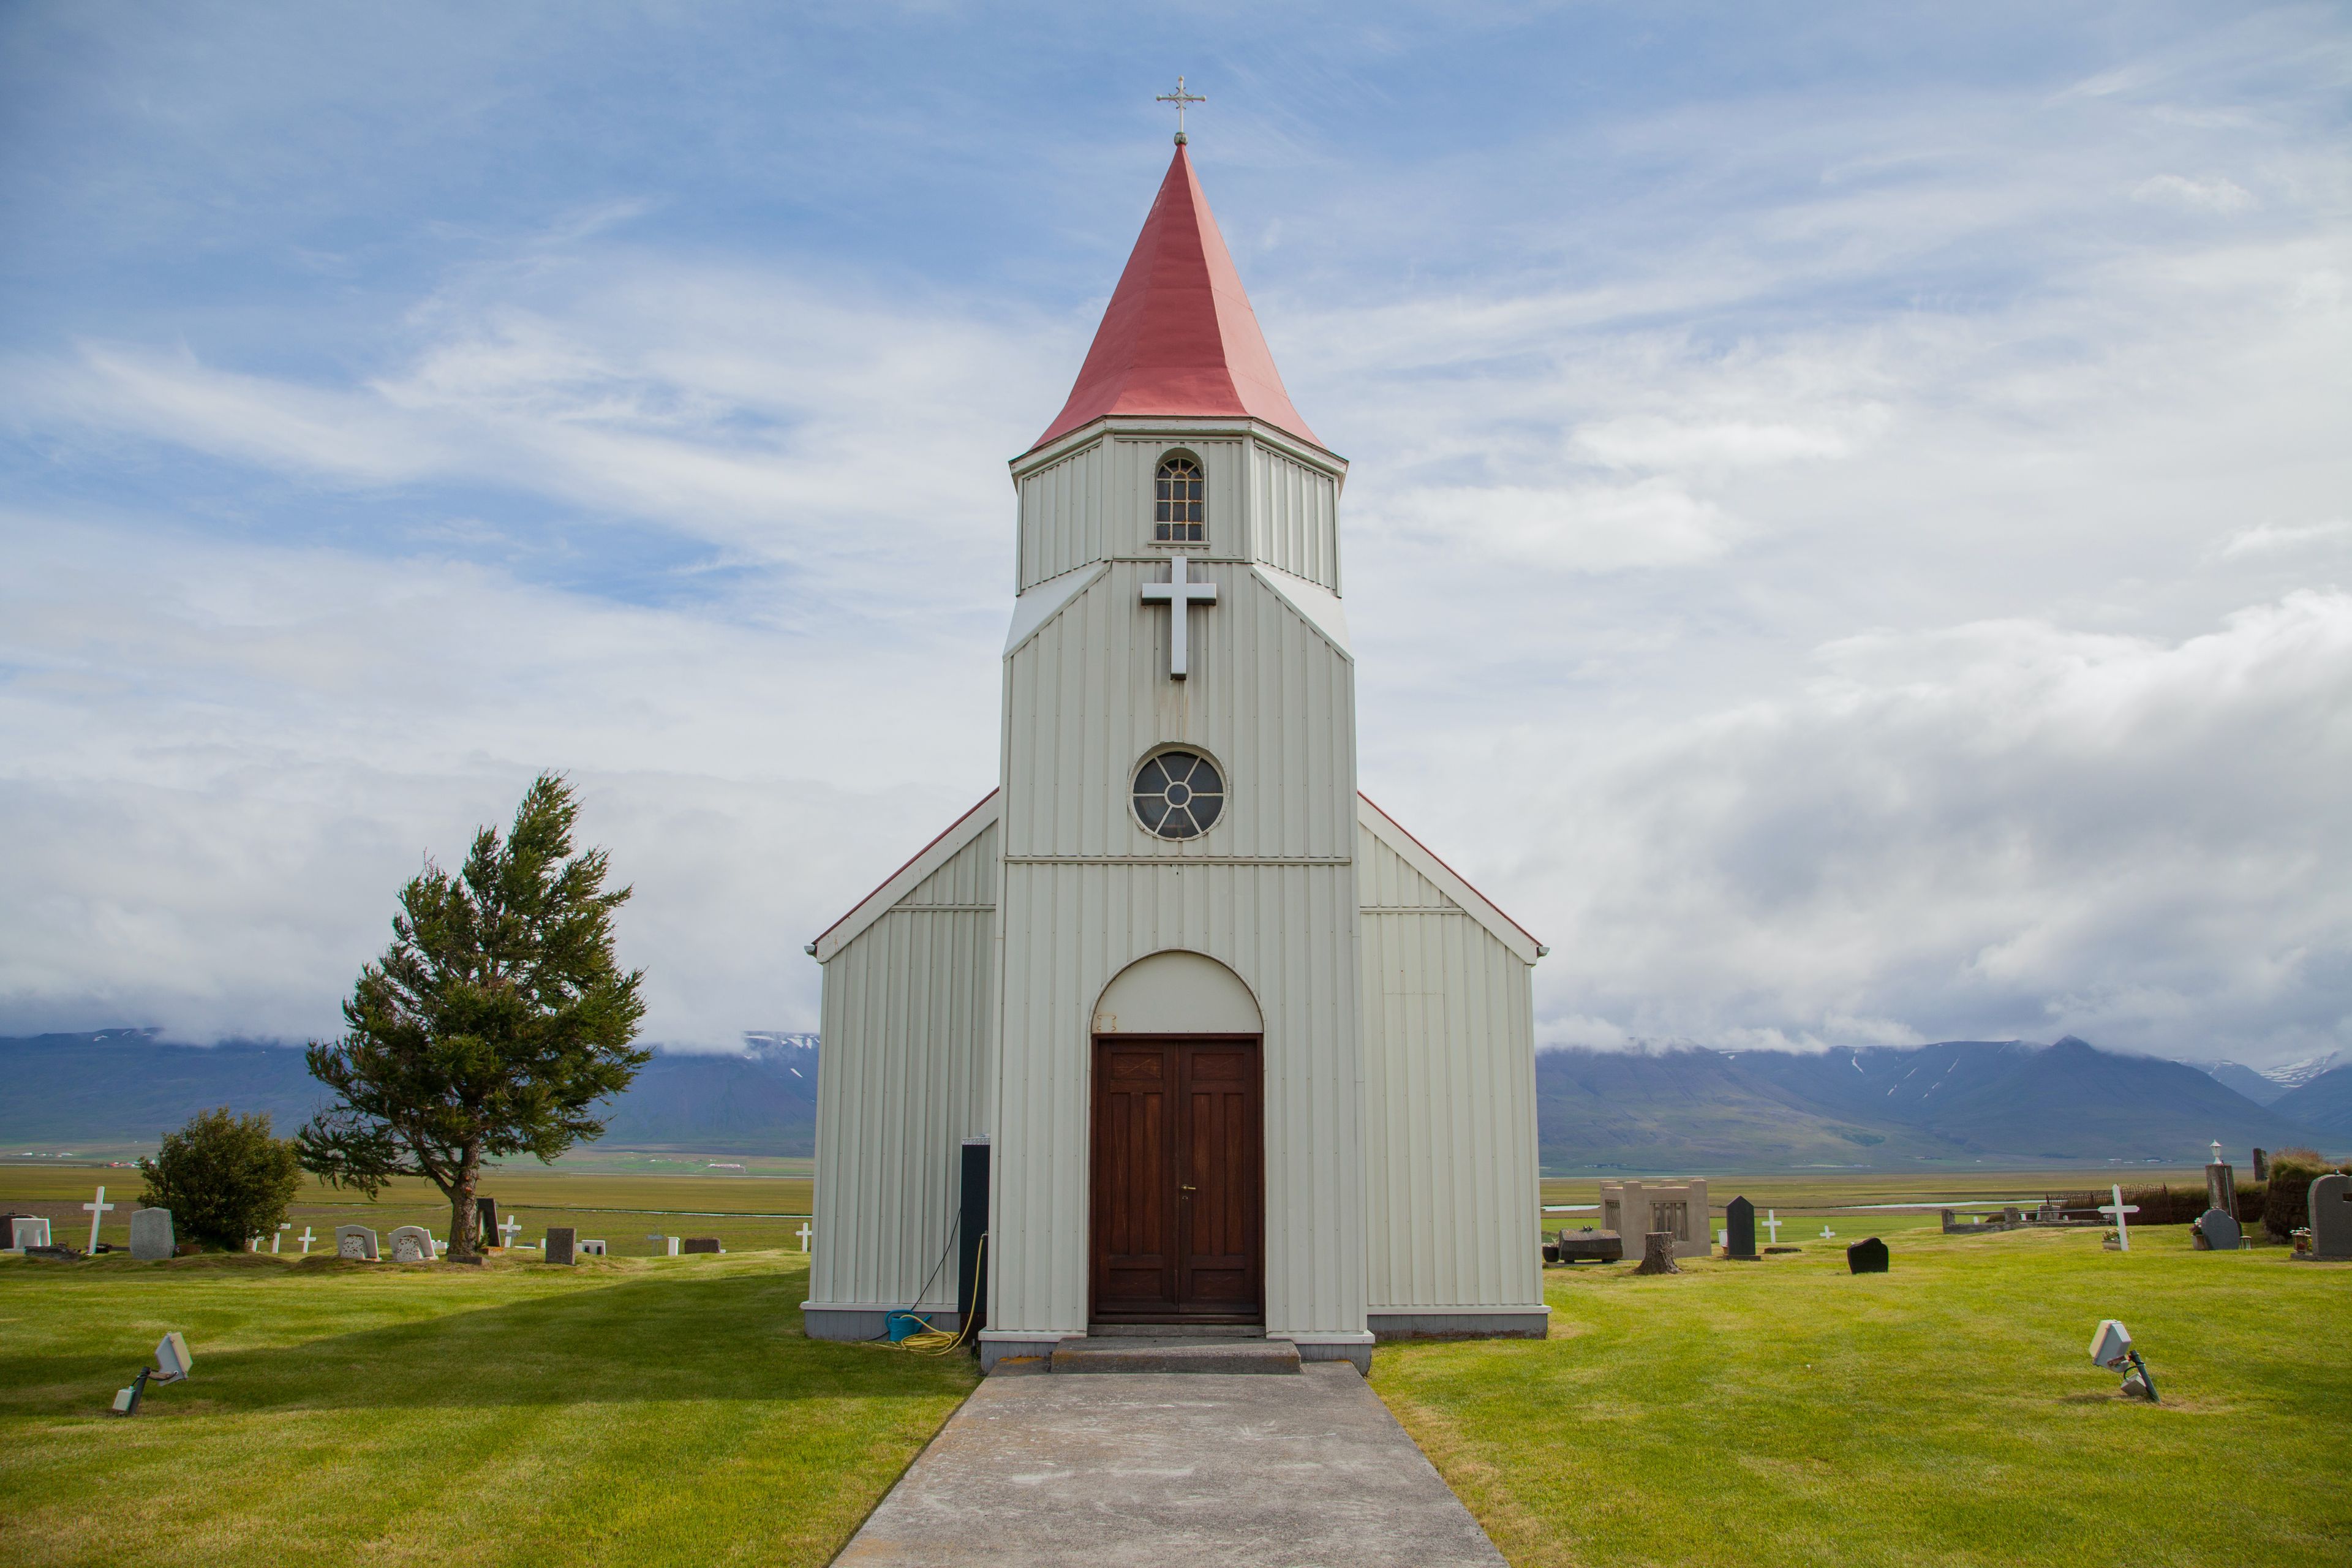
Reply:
x=1182, y=516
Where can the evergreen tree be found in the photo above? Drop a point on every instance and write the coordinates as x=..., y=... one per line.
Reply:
x=224, y=1178
x=493, y=1024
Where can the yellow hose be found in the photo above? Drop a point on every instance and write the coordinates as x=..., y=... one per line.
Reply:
x=939, y=1342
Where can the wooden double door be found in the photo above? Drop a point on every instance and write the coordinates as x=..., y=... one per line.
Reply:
x=1179, y=1224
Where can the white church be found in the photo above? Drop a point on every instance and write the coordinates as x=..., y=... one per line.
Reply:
x=1176, y=1031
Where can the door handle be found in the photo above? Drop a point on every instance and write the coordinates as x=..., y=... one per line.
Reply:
x=1189, y=1189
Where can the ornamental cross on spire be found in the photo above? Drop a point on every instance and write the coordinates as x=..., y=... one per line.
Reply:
x=1179, y=98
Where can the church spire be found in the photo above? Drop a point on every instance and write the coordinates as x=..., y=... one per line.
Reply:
x=1180, y=338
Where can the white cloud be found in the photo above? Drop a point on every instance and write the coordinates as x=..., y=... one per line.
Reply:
x=2210, y=194
x=2286, y=539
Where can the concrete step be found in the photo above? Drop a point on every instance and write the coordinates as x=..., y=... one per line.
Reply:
x=1133, y=1353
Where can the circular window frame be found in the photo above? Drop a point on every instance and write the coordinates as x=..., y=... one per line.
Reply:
x=1134, y=792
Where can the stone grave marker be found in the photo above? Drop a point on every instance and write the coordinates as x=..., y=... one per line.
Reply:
x=355, y=1241
x=2261, y=1165
x=2221, y=1187
x=510, y=1229
x=1741, y=1227
x=804, y=1232
x=307, y=1239
x=1590, y=1246
x=486, y=1222
x=1867, y=1256
x=28, y=1230
x=97, y=1211
x=2331, y=1216
x=560, y=1241
x=591, y=1247
x=2216, y=1232
x=702, y=1243
x=151, y=1240
x=410, y=1244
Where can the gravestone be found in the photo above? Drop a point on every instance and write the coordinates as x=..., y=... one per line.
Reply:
x=2221, y=1189
x=28, y=1230
x=702, y=1243
x=410, y=1244
x=2331, y=1216
x=1867, y=1256
x=1590, y=1246
x=2261, y=1165
x=1658, y=1254
x=560, y=1241
x=1741, y=1239
x=355, y=1241
x=486, y=1222
x=150, y=1235
x=591, y=1247
x=2216, y=1232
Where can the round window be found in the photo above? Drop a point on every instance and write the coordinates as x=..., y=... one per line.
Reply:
x=1178, y=794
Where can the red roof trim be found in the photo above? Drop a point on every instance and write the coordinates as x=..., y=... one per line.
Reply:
x=1179, y=338
x=1457, y=875
x=901, y=871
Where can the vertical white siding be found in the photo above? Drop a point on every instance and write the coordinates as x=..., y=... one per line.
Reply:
x=1449, y=1092
x=1061, y=517
x=1296, y=525
x=902, y=1081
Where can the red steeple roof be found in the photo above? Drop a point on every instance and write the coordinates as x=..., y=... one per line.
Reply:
x=1180, y=337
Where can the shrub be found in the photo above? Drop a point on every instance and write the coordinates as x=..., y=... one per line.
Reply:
x=224, y=1178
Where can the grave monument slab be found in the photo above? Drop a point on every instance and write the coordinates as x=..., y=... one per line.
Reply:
x=410, y=1244
x=1867, y=1256
x=2216, y=1232
x=2331, y=1216
x=1739, y=1240
x=356, y=1241
x=701, y=1244
x=28, y=1230
x=150, y=1235
x=561, y=1242
x=591, y=1247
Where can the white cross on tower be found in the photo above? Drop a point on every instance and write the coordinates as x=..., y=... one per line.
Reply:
x=804, y=1234
x=2120, y=1208
x=1180, y=596
x=1179, y=98
x=98, y=1210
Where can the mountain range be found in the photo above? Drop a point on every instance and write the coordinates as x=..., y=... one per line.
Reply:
x=1992, y=1103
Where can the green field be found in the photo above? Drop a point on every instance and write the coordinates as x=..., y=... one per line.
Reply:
x=640, y=1411
x=1785, y=1412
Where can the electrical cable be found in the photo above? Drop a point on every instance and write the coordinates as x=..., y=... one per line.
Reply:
x=939, y=1342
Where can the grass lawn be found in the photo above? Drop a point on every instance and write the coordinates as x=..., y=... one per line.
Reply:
x=624, y=1411
x=1751, y=1414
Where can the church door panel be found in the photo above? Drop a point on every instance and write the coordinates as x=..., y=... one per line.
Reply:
x=1218, y=1266
x=1179, y=1157
x=1135, y=1208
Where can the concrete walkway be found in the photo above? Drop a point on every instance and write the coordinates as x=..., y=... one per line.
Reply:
x=1309, y=1471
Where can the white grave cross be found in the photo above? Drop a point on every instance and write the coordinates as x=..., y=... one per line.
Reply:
x=804, y=1234
x=306, y=1241
x=1180, y=596
x=508, y=1226
x=98, y=1210
x=1772, y=1224
x=2120, y=1208
x=1827, y=1234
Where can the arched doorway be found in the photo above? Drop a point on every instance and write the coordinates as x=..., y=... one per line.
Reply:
x=1178, y=1230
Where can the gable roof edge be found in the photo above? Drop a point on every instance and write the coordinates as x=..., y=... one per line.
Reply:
x=905, y=879
x=1475, y=904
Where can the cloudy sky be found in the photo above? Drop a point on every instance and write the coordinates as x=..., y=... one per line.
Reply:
x=1849, y=537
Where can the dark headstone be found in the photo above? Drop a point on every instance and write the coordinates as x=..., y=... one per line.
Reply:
x=2330, y=1202
x=8, y=1228
x=486, y=1223
x=150, y=1235
x=2261, y=1165
x=1867, y=1256
x=560, y=1241
x=2221, y=1189
x=1551, y=1252
x=1739, y=1221
x=2217, y=1232
x=699, y=1244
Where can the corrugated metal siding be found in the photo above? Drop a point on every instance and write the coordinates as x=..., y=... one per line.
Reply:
x=1449, y=1098
x=1268, y=698
x=1296, y=522
x=908, y=1006
x=1287, y=930
x=1097, y=504
x=1061, y=516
